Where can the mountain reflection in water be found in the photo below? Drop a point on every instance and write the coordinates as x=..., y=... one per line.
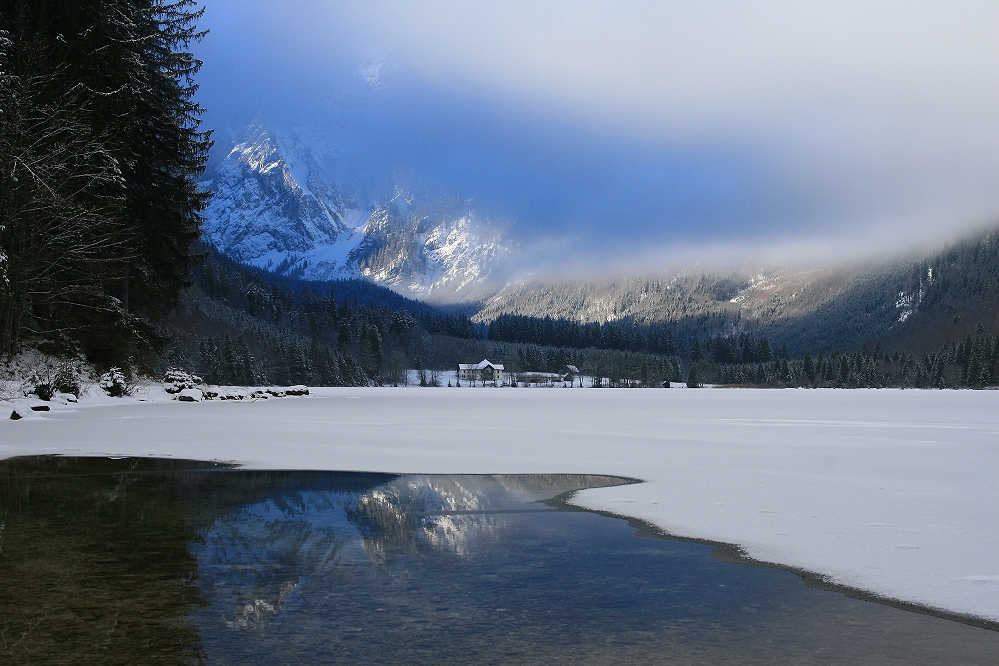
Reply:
x=260, y=557
x=158, y=561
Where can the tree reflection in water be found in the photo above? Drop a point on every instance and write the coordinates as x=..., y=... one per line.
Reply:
x=94, y=564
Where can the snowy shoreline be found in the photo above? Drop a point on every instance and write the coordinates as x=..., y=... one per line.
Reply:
x=890, y=492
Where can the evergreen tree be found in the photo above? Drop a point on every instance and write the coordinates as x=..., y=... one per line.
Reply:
x=166, y=152
x=244, y=363
x=211, y=366
x=372, y=351
x=229, y=374
x=695, y=350
x=984, y=377
x=808, y=369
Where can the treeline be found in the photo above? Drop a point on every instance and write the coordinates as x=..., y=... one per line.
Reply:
x=965, y=273
x=100, y=150
x=624, y=336
x=968, y=364
x=279, y=360
x=614, y=365
x=916, y=306
x=733, y=349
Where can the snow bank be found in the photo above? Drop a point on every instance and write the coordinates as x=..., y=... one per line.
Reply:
x=894, y=492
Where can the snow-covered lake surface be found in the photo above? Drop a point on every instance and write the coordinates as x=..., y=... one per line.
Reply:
x=892, y=492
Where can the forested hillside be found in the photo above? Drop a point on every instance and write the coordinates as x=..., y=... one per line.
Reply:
x=240, y=325
x=913, y=305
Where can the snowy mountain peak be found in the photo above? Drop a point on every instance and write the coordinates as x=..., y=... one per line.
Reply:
x=277, y=206
x=258, y=152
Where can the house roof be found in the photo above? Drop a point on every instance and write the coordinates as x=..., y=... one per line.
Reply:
x=481, y=365
x=573, y=369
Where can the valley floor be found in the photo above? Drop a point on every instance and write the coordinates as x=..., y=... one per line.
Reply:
x=893, y=492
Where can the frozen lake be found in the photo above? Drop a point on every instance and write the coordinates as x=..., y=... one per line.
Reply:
x=167, y=561
x=891, y=492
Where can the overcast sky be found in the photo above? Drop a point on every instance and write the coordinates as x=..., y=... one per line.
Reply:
x=638, y=130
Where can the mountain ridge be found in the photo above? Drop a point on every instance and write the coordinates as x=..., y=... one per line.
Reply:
x=281, y=202
x=913, y=303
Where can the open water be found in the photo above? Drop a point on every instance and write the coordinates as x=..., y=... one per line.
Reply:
x=172, y=562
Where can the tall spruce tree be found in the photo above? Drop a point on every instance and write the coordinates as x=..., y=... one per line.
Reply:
x=166, y=153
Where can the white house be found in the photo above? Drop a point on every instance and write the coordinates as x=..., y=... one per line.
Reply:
x=483, y=371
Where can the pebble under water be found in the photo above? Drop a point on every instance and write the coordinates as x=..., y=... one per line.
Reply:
x=155, y=561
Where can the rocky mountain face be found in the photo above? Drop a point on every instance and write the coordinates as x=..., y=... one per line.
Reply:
x=282, y=202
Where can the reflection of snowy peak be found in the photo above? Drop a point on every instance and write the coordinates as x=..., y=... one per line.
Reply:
x=277, y=205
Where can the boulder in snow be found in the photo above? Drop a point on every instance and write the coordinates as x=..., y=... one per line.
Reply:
x=190, y=395
x=297, y=390
x=24, y=410
x=232, y=394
